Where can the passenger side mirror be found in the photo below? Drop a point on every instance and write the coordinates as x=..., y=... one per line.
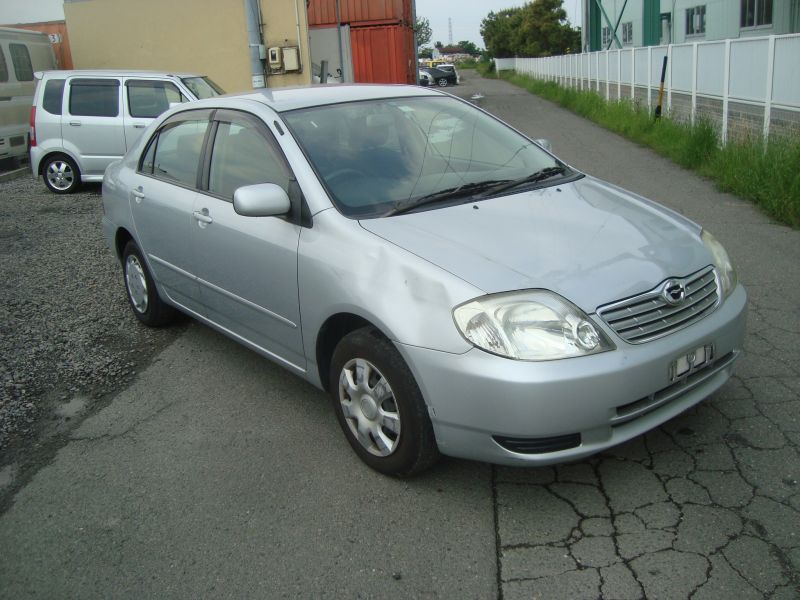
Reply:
x=261, y=200
x=544, y=144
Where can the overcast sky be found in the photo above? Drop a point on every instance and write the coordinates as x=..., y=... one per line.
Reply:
x=468, y=14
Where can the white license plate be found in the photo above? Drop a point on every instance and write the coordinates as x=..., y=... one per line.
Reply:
x=691, y=362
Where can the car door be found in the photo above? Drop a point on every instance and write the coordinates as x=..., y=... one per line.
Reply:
x=92, y=123
x=162, y=201
x=143, y=101
x=248, y=265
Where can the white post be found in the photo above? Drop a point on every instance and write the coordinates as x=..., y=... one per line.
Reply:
x=597, y=69
x=619, y=74
x=608, y=79
x=694, y=83
x=768, y=94
x=669, y=78
x=726, y=80
x=633, y=73
x=649, y=74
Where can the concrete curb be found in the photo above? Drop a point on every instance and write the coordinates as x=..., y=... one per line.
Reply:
x=15, y=174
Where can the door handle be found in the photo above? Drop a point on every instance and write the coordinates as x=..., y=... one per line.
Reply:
x=202, y=216
x=139, y=125
x=138, y=194
x=75, y=123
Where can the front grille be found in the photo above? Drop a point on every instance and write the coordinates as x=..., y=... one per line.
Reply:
x=649, y=315
x=539, y=445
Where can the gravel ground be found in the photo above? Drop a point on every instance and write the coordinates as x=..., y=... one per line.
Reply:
x=67, y=337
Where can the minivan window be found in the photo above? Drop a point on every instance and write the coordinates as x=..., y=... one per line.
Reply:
x=244, y=156
x=53, y=96
x=94, y=97
x=178, y=149
x=202, y=87
x=148, y=99
x=3, y=67
x=21, y=59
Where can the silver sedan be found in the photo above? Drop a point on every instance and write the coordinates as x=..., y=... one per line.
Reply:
x=455, y=287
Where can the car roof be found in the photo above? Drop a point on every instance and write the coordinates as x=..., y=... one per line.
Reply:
x=114, y=73
x=285, y=99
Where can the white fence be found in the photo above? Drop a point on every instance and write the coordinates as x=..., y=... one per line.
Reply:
x=755, y=80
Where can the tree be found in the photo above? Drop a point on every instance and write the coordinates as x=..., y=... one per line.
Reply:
x=425, y=52
x=468, y=47
x=538, y=28
x=423, y=31
x=438, y=45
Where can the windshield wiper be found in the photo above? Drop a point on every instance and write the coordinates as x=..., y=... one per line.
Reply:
x=467, y=189
x=540, y=175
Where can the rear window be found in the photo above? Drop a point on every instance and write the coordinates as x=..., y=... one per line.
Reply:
x=53, y=96
x=94, y=97
x=3, y=66
x=21, y=59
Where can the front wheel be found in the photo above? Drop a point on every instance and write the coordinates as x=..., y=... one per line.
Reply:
x=379, y=405
x=443, y=82
x=143, y=296
x=61, y=175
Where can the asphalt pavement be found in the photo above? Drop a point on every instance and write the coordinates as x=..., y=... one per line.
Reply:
x=218, y=474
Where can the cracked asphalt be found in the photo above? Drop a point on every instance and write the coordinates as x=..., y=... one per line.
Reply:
x=217, y=474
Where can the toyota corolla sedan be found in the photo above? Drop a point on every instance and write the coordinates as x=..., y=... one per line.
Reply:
x=456, y=288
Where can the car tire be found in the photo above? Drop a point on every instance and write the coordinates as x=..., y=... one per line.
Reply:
x=141, y=290
x=387, y=424
x=61, y=175
x=443, y=82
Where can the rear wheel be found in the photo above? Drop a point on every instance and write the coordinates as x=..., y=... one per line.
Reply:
x=379, y=405
x=142, y=293
x=61, y=175
x=443, y=82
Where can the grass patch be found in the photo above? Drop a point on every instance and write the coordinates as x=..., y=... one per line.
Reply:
x=769, y=177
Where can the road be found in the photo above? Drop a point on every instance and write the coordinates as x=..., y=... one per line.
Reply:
x=217, y=474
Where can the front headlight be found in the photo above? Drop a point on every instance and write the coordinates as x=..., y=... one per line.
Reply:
x=529, y=325
x=727, y=273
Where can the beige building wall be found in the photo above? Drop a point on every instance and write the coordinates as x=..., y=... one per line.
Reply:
x=201, y=36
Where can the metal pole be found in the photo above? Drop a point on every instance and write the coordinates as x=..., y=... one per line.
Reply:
x=254, y=43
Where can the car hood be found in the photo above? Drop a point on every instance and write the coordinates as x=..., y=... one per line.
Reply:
x=587, y=240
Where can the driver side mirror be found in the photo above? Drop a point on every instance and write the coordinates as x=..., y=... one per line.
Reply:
x=261, y=200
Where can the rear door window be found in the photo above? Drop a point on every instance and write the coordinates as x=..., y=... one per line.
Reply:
x=21, y=59
x=177, y=151
x=94, y=97
x=147, y=99
x=53, y=96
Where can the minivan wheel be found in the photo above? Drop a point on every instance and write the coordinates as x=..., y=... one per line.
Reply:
x=142, y=294
x=61, y=175
x=379, y=405
x=443, y=82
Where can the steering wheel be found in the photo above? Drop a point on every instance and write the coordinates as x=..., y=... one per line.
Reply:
x=342, y=173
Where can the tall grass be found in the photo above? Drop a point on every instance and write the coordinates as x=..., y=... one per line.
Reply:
x=769, y=176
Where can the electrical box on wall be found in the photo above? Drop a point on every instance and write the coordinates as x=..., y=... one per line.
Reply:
x=275, y=58
x=291, y=58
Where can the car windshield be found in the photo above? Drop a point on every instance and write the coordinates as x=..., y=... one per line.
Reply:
x=202, y=87
x=376, y=157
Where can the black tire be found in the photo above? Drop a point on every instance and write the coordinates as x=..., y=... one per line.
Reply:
x=141, y=290
x=61, y=175
x=415, y=447
x=443, y=82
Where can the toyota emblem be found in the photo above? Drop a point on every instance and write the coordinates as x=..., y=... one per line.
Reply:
x=673, y=292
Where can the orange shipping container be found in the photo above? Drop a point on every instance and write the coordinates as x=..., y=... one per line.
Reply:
x=383, y=54
x=323, y=12
x=59, y=40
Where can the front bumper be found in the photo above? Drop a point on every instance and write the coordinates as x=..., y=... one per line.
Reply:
x=476, y=398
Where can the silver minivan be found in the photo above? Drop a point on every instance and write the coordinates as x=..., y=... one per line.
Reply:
x=82, y=121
